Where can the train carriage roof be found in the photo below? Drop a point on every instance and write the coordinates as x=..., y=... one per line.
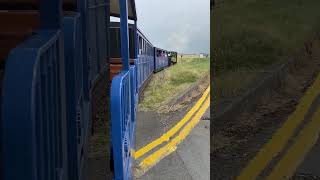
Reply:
x=115, y=9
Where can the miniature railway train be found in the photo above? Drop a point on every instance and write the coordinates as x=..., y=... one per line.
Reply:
x=150, y=59
x=60, y=60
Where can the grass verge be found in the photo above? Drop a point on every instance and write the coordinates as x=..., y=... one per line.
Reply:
x=252, y=34
x=172, y=81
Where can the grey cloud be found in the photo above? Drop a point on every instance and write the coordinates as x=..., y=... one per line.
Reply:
x=181, y=25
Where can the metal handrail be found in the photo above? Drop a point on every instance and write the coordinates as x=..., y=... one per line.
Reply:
x=33, y=110
x=121, y=125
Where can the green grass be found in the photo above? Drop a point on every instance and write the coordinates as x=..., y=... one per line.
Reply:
x=170, y=82
x=233, y=83
x=255, y=33
x=252, y=34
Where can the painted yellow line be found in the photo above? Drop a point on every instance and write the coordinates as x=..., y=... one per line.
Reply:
x=281, y=137
x=166, y=137
x=287, y=166
x=155, y=157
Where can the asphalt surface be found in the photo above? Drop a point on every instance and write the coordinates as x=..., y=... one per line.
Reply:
x=190, y=161
x=309, y=167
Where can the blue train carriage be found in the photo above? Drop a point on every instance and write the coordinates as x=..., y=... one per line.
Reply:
x=161, y=59
x=144, y=62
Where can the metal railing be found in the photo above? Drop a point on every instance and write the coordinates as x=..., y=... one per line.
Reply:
x=33, y=110
x=77, y=106
x=122, y=122
x=134, y=102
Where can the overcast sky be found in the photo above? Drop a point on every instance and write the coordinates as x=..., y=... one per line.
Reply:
x=180, y=25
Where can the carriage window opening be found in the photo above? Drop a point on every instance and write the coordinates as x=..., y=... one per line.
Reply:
x=144, y=47
x=140, y=45
x=131, y=42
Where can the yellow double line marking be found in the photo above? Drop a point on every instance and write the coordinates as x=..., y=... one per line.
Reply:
x=151, y=160
x=282, y=136
x=198, y=110
x=287, y=166
x=166, y=137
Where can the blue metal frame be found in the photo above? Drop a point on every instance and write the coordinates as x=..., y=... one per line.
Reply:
x=47, y=80
x=121, y=124
x=77, y=106
x=124, y=34
x=34, y=139
x=86, y=54
x=33, y=128
x=123, y=105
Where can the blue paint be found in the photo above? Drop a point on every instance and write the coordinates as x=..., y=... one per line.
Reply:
x=161, y=60
x=121, y=123
x=124, y=101
x=48, y=88
x=33, y=130
x=76, y=118
x=46, y=117
x=124, y=34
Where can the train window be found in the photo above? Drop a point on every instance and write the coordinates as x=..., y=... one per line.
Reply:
x=144, y=46
x=147, y=52
x=115, y=42
x=131, y=42
x=142, y=50
x=115, y=48
x=140, y=45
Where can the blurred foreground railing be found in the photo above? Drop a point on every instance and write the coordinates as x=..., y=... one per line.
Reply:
x=33, y=110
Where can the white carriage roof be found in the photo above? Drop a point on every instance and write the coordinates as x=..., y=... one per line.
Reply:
x=115, y=9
